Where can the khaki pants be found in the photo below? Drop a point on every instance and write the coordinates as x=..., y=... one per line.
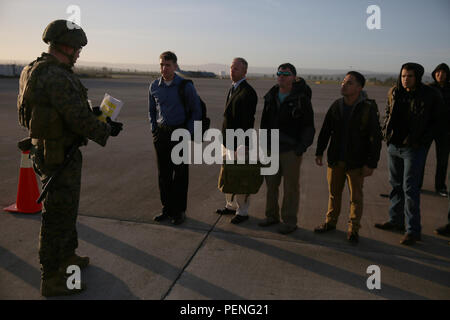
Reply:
x=336, y=177
x=290, y=171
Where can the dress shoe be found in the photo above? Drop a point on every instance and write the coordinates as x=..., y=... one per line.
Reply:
x=409, y=239
x=389, y=226
x=238, y=219
x=268, y=222
x=178, y=219
x=353, y=237
x=443, y=231
x=225, y=211
x=325, y=227
x=286, y=228
x=161, y=217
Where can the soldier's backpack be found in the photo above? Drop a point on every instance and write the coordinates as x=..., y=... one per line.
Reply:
x=206, y=122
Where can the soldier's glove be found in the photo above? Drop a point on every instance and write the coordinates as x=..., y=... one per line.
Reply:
x=116, y=127
x=97, y=111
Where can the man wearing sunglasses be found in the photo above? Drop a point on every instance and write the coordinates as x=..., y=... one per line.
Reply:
x=287, y=107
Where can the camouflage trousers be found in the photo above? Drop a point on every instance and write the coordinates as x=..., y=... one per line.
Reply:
x=58, y=237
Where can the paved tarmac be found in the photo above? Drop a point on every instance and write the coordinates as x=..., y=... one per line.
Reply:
x=132, y=257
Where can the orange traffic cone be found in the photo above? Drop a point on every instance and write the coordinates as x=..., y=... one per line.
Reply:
x=28, y=191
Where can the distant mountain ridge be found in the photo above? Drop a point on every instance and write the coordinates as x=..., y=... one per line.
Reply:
x=223, y=68
x=209, y=67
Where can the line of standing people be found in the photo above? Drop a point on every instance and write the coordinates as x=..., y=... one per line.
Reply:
x=415, y=115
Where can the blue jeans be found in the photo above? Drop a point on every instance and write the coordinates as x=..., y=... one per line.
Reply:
x=405, y=174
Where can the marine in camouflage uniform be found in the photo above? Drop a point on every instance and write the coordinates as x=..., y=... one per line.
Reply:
x=53, y=106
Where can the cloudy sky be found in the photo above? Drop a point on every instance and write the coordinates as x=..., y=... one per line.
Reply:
x=311, y=34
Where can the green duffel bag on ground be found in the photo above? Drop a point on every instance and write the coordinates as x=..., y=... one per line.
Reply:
x=240, y=178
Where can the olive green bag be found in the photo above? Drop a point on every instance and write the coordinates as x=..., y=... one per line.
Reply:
x=240, y=178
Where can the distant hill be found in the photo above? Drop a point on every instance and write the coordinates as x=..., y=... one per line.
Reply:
x=223, y=69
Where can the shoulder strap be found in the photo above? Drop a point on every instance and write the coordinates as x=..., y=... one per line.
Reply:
x=182, y=94
x=368, y=104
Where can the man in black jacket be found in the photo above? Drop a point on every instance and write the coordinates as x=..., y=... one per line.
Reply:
x=442, y=139
x=352, y=123
x=287, y=108
x=239, y=113
x=409, y=126
x=441, y=76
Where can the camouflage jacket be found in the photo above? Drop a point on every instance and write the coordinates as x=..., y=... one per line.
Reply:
x=52, y=104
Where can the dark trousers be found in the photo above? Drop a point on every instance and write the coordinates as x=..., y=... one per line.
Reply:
x=405, y=167
x=442, y=152
x=173, y=178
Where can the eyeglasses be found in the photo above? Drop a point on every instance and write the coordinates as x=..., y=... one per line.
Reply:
x=284, y=73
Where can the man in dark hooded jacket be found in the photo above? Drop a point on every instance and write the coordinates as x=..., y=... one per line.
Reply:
x=287, y=108
x=410, y=124
x=441, y=76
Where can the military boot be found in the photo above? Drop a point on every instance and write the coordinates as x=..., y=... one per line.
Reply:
x=56, y=285
x=74, y=259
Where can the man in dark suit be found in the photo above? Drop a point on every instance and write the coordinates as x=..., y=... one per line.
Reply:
x=239, y=114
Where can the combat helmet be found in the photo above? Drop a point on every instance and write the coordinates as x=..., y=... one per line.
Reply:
x=66, y=33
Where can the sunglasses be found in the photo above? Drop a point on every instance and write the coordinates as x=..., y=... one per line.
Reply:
x=284, y=73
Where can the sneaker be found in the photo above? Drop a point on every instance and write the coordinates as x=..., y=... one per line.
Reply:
x=325, y=227
x=286, y=228
x=409, y=239
x=353, y=237
x=390, y=226
x=442, y=192
x=443, y=231
x=268, y=222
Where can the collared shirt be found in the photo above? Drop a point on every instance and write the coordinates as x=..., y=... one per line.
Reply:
x=166, y=107
x=236, y=84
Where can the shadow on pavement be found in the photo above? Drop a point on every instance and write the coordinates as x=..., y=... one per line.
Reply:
x=12, y=263
x=149, y=261
x=101, y=284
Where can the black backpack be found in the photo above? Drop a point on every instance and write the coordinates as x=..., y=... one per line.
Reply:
x=206, y=122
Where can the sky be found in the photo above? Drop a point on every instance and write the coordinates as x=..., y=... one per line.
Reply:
x=326, y=34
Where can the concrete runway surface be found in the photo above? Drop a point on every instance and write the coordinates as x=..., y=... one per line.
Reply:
x=132, y=257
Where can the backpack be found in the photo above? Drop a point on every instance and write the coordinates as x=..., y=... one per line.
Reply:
x=206, y=122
